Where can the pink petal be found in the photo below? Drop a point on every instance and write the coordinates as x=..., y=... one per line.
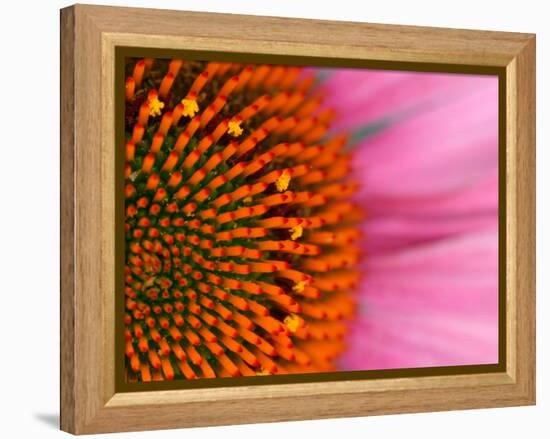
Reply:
x=480, y=198
x=437, y=151
x=429, y=185
x=360, y=95
x=430, y=305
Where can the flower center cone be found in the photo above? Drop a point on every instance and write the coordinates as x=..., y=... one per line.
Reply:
x=240, y=232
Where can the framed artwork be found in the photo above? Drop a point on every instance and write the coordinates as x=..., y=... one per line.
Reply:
x=272, y=219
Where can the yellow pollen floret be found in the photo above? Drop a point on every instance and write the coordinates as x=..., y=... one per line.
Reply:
x=235, y=128
x=262, y=371
x=155, y=107
x=283, y=181
x=299, y=287
x=292, y=322
x=247, y=200
x=296, y=232
x=190, y=107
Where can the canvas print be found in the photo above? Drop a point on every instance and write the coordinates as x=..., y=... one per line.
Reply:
x=283, y=220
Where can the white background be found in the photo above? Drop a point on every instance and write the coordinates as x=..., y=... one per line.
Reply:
x=29, y=218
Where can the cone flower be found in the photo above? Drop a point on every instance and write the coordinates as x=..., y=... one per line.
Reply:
x=239, y=227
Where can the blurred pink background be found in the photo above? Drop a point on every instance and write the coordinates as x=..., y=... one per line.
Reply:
x=426, y=155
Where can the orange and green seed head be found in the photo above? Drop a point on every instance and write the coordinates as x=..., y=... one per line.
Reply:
x=240, y=255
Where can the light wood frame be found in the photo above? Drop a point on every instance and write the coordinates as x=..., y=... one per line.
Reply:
x=89, y=35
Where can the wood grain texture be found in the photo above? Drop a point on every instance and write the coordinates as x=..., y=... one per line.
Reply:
x=523, y=253
x=89, y=36
x=67, y=327
x=318, y=37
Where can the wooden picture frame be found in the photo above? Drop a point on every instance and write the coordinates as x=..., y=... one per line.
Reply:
x=89, y=38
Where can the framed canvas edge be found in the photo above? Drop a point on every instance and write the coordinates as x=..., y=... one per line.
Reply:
x=88, y=401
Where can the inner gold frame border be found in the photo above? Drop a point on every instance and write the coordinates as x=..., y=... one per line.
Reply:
x=92, y=400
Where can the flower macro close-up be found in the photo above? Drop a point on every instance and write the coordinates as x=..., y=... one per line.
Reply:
x=289, y=220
